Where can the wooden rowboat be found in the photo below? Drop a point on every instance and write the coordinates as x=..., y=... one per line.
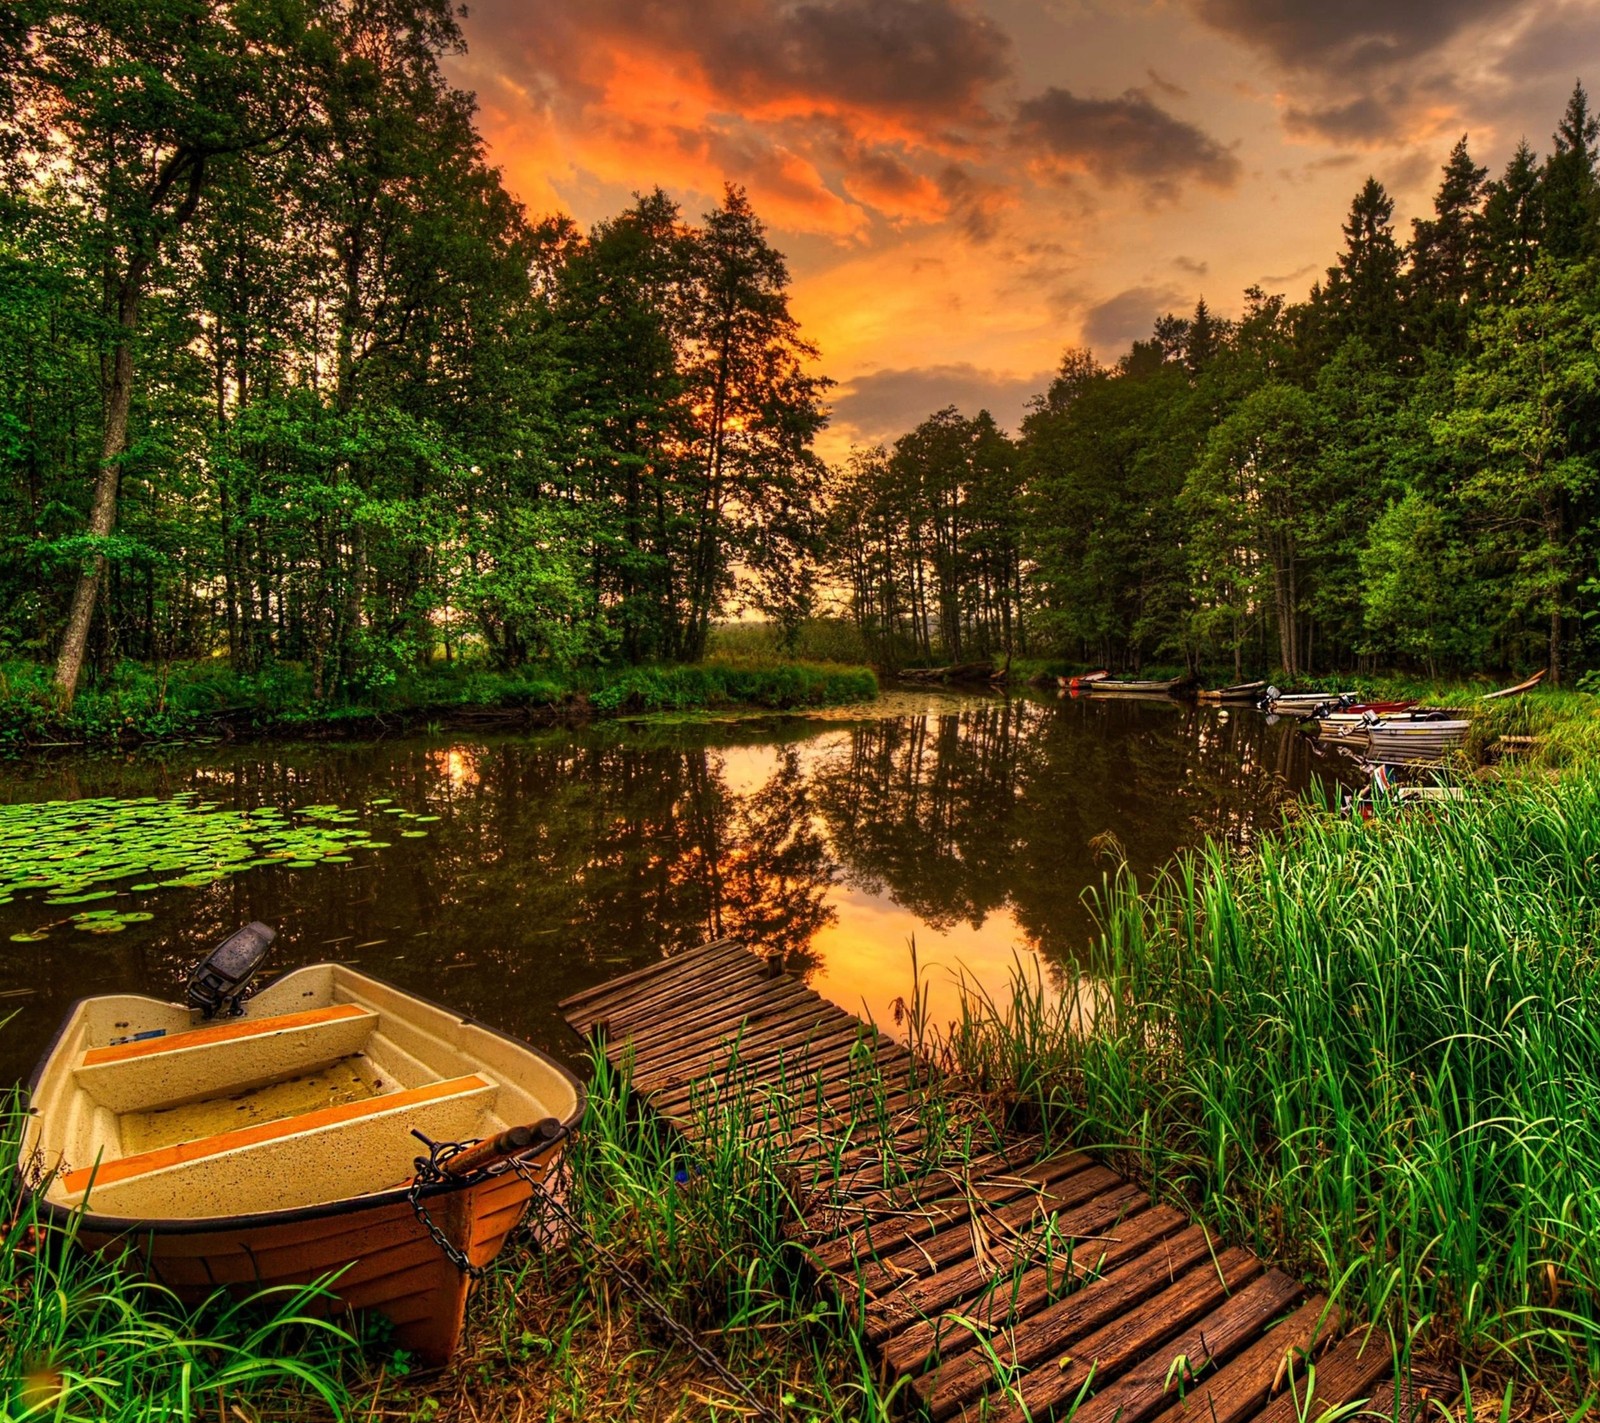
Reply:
x=1239, y=692
x=275, y=1147
x=1122, y=687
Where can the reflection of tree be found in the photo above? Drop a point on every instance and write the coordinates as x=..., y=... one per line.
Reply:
x=926, y=808
x=778, y=867
x=565, y=857
x=1009, y=803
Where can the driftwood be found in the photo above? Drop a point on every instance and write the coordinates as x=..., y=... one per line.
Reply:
x=956, y=672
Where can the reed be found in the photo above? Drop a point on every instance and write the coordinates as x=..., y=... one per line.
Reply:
x=1372, y=1051
x=83, y=1339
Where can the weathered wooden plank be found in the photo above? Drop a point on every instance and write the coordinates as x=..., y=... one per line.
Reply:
x=688, y=984
x=756, y=1014
x=1110, y=1231
x=854, y=1201
x=961, y=1379
x=999, y=1225
x=1241, y=1387
x=622, y=1019
x=1160, y=1375
x=884, y=1236
x=753, y=1050
x=1112, y=1348
x=580, y=1004
x=1349, y=1373
x=793, y=1073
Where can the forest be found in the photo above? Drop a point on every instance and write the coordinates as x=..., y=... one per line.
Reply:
x=288, y=379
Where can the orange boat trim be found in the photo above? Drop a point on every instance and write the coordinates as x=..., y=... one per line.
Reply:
x=221, y=1033
x=185, y=1151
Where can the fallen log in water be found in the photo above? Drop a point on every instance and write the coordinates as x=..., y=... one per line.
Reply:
x=956, y=672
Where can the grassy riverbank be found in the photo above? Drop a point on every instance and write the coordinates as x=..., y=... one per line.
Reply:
x=136, y=704
x=1372, y=1051
x=82, y=1341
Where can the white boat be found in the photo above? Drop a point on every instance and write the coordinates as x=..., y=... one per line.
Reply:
x=272, y=1140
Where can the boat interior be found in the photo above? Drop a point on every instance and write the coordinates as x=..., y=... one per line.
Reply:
x=143, y=1110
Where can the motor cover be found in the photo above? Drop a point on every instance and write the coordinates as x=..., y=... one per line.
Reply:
x=219, y=983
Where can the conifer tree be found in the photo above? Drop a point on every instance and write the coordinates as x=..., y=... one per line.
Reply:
x=1569, y=190
x=1446, y=262
x=1363, y=288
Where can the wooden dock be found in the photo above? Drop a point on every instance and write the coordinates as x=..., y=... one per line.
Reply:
x=1000, y=1279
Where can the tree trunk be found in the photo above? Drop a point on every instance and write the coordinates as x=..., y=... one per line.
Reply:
x=103, y=510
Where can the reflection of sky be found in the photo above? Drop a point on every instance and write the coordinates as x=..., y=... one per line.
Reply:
x=560, y=859
x=864, y=954
x=865, y=957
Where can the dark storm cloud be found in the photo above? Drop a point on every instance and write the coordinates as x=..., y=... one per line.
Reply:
x=1369, y=72
x=1346, y=35
x=1129, y=316
x=926, y=57
x=884, y=404
x=1127, y=139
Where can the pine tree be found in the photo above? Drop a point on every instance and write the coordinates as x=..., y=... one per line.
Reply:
x=1446, y=264
x=1512, y=226
x=1363, y=289
x=1204, y=338
x=1569, y=190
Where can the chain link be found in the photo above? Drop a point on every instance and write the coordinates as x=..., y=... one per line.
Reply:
x=429, y=1171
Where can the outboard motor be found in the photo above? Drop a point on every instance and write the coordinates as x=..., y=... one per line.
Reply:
x=1268, y=697
x=220, y=982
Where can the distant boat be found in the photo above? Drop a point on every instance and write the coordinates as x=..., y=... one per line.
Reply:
x=1239, y=692
x=275, y=1144
x=1412, y=741
x=1110, y=686
x=1301, y=703
x=1385, y=793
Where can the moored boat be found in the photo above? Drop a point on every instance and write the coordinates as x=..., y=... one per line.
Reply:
x=1081, y=682
x=275, y=1141
x=1302, y=704
x=1239, y=692
x=1114, y=686
x=1408, y=741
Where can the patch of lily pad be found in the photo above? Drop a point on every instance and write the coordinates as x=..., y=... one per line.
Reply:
x=82, y=852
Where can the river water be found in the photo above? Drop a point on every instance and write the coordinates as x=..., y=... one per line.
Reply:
x=974, y=824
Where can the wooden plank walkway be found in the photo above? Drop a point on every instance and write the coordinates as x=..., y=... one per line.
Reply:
x=1000, y=1280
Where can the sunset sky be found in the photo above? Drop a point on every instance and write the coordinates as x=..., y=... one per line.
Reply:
x=966, y=187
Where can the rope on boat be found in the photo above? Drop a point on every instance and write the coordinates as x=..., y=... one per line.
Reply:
x=430, y=1172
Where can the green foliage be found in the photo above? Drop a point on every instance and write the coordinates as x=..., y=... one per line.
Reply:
x=1369, y=1049
x=1399, y=470
x=85, y=1340
x=783, y=686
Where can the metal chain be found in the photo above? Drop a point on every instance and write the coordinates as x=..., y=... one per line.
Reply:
x=429, y=1171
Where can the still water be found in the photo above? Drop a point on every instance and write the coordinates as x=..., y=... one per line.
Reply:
x=974, y=824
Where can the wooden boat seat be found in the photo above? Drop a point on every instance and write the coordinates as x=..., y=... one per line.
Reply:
x=153, y=1073
x=346, y=1150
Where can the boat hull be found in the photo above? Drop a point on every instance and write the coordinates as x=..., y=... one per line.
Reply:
x=1133, y=689
x=1415, y=742
x=382, y=1257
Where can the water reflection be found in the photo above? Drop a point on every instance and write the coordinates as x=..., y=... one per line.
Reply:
x=562, y=858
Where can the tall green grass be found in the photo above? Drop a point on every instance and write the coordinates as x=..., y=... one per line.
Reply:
x=83, y=1339
x=1370, y=1050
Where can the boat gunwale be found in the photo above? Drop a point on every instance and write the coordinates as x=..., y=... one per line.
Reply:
x=57, y=1213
